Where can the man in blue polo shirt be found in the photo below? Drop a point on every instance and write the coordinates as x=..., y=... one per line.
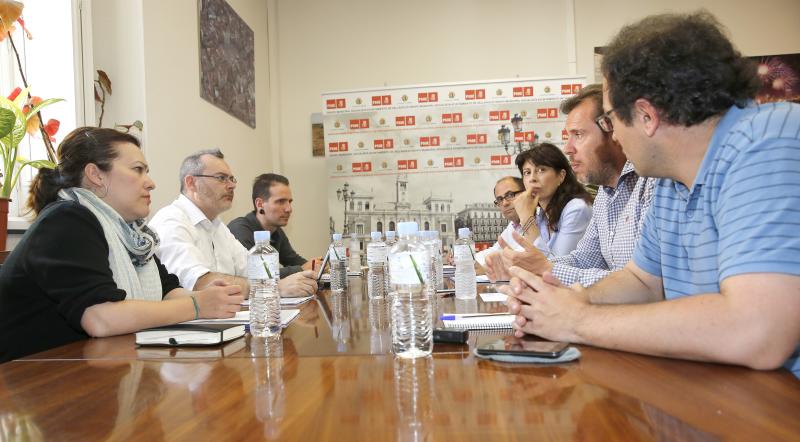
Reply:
x=716, y=273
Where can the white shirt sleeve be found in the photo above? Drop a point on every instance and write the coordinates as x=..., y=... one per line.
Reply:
x=180, y=249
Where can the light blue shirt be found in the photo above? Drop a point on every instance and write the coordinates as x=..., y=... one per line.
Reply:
x=571, y=227
x=742, y=214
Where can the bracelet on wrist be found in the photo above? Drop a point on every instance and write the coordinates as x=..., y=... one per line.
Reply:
x=528, y=224
x=196, y=308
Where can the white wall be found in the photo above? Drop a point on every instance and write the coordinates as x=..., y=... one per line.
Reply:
x=351, y=44
x=336, y=45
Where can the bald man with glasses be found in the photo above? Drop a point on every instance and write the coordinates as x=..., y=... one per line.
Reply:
x=505, y=191
x=195, y=244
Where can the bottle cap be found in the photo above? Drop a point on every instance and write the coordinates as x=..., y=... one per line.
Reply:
x=337, y=236
x=407, y=228
x=376, y=236
x=463, y=232
x=261, y=236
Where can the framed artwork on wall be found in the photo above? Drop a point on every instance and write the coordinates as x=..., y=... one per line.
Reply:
x=227, y=61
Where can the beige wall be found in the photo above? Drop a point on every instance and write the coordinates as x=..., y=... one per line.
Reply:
x=420, y=41
x=336, y=45
x=118, y=49
x=756, y=27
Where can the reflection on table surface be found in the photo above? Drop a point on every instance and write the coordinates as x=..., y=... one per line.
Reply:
x=331, y=375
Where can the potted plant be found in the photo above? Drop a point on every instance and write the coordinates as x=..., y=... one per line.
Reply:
x=19, y=114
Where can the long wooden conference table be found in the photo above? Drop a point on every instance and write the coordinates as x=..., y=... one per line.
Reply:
x=331, y=376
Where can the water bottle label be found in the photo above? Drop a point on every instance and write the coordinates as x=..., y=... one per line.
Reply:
x=409, y=268
x=376, y=255
x=257, y=266
x=463, y=252
x=337, y=253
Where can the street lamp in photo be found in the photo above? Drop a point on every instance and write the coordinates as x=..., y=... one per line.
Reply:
x=346, y=195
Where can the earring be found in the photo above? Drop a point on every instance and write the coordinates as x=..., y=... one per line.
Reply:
x=105, y=187
x=261, y=211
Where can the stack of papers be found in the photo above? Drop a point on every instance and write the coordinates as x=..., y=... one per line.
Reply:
x=287, y=301
x=243, y=317
x=493, y=297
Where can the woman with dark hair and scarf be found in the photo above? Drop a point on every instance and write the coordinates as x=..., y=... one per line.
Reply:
x=87, y=265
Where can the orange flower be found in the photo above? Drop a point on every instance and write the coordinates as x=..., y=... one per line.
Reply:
x=32, y=101
x=10, y=11
x=33, y=125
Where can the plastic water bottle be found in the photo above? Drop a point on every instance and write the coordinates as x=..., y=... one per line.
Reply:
x=464, y=252
x=438, y=264
x=391, y=240
x=426, y=238
x=376, y=260
x=412, y=326
x=338, y=263
x=263, y=273
x=355, y=254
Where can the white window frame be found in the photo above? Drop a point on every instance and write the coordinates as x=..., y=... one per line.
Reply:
x=83, y=64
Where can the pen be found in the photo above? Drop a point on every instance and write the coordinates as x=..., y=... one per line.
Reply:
x=469, y=315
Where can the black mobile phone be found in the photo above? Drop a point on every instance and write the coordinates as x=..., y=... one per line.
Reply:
x=511, y=345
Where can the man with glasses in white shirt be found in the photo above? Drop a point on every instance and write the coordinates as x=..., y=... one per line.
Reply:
x=195, y=244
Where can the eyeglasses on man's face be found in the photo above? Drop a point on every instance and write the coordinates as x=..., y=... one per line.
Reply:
x=508, y=196
x=604, y=121
x=221, y=178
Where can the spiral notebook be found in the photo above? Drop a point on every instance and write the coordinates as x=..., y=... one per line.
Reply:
x=483, y=322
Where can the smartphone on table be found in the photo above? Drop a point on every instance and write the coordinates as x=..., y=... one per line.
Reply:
x=511, y=345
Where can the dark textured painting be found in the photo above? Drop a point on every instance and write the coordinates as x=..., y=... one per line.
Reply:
x=227, y=61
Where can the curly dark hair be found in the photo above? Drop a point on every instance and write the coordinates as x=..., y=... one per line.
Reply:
x=546, y=154
x=682, y=63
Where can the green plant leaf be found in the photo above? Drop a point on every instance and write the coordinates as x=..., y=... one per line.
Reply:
x=38, y=164
x=7, y=120
x=44, y=103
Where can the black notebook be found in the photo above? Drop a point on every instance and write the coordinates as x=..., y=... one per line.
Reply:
x=189, y=334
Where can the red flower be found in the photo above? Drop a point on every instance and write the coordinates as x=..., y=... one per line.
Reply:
x=52, y=127
x=15, y=93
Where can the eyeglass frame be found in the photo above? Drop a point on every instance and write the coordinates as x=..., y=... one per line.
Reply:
x=508, y=196
x=222, y=178
x=605, y=120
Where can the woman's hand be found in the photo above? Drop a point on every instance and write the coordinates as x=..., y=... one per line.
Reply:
x=525, y=204
x=219, y=301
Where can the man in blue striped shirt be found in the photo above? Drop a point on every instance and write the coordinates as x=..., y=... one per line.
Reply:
x=619, y=210
x=716, y=273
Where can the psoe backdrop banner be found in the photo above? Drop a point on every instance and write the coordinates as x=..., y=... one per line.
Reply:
x=432, y=153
